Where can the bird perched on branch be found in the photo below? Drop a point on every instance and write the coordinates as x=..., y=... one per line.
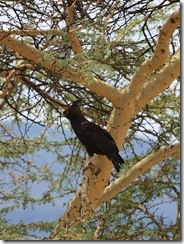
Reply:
x=93, y=137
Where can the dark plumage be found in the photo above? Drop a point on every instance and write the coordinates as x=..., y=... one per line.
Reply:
x=93, y=137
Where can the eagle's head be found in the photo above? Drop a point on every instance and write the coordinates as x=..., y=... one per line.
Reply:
x=73, y=111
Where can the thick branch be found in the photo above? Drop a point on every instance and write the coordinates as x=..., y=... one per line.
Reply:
x=157, y=59
x=66, y=70
x=135, y=96
x=76, y=46
x=73, y=213
x=137, y=170
x=158, y=84
x=92, y=188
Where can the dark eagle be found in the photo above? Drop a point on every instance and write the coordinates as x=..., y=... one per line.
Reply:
x=92, y=136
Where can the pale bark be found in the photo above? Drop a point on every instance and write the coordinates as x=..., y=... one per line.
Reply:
x=57, y=66
x=157, y=59
x=118, y=125
x=159, y=82
x=127, y=103
x=138, y=169
x=72, y=35
x=77, y=211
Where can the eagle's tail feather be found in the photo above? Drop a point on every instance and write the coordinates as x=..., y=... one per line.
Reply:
x=116, y=160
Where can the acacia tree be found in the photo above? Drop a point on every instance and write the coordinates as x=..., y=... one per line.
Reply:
x=122, y=58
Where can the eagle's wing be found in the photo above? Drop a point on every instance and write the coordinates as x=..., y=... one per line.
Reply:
x=95, y=139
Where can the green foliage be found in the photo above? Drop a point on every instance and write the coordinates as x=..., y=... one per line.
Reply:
x=12, y=232
x=41, y=161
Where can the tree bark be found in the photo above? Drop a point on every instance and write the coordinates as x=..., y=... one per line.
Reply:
x=127, y=103
x=131, y=102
